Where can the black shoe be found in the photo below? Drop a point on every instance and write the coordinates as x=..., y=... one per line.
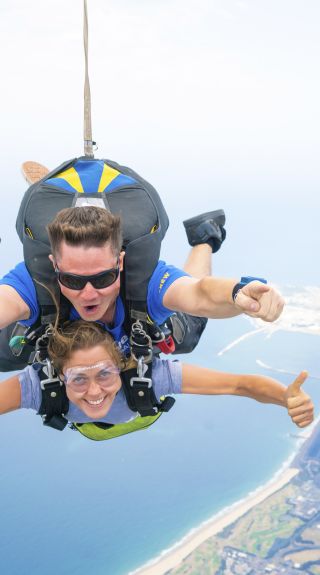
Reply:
x=206, y=229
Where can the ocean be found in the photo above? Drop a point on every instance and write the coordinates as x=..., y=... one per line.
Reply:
x=73, y=506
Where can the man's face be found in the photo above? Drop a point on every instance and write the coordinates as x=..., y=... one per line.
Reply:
x=92, y=304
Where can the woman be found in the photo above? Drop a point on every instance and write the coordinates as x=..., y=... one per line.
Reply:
x=88, y=363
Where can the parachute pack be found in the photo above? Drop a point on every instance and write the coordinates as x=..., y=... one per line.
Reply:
x=103, y=183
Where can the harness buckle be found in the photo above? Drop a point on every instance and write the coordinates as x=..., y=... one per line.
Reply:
x=141, y=370
x=142, y=380
x=45, y=382
x=41, y=349
x=140, y=342
x=49, y=371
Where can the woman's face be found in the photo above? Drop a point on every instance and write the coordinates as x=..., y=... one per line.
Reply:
x=92, y=380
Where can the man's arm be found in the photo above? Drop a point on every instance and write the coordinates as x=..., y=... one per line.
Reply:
x=203, y=381
x=10, y=394
x=12, y=306
x=212, y=297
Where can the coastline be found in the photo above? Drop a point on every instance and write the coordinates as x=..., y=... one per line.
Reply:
x=173, y=556
x=292, y=320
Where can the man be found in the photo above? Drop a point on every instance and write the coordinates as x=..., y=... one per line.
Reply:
x=87, y=259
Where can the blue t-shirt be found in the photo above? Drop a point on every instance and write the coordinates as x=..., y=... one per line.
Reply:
x=166, y=377
x=163, y=276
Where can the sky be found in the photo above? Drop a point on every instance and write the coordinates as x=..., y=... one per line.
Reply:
x=216, y=102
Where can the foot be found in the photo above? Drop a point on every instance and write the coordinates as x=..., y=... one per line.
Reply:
x=206, y=229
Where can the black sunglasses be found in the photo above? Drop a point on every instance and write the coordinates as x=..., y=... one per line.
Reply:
x=98, y=281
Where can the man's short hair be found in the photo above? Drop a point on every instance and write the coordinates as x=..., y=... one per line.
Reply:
x=87, y=226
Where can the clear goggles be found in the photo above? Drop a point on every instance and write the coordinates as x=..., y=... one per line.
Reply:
x=102, y=373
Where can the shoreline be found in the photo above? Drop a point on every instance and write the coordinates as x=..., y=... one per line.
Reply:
x=175, y=555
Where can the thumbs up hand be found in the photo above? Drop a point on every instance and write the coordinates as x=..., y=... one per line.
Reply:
x=299, y=404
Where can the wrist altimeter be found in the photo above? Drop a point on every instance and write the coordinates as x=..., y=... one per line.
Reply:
x=245, y=280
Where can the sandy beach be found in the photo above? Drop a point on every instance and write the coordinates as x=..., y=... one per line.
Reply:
x=182, y=549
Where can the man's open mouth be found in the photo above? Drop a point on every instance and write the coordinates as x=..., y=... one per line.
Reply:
x=90, y=308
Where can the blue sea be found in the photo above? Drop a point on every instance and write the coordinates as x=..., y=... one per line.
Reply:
x=73, y=506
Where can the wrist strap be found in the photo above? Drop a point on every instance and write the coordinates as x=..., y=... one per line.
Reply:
x=243, y=282
x=236, y=290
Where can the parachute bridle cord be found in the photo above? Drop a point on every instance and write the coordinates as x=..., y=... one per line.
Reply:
x=87, y=127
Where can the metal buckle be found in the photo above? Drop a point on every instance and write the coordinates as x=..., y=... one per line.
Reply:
x=51, y=375
x=134, y=380
x=141, y=369
x=137, y=329
x=41, y=346
x=147, y=358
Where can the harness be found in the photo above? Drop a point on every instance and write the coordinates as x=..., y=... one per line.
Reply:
x=136, y=384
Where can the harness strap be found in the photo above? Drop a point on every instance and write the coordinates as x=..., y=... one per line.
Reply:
x=48, y=312
x=54, y=402
x=140, y=394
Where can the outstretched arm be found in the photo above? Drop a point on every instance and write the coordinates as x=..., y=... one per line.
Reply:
x=12, y=306
x=10, y=394
x=203, y=381
x=212, y=297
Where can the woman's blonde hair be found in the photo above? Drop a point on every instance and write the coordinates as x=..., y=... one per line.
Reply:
x=78, y=335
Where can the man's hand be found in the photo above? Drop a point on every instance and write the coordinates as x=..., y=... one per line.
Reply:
x=299, y=404
x=260, y=300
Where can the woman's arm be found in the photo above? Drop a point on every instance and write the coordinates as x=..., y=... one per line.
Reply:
x=10, y=394
x=203, y=381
